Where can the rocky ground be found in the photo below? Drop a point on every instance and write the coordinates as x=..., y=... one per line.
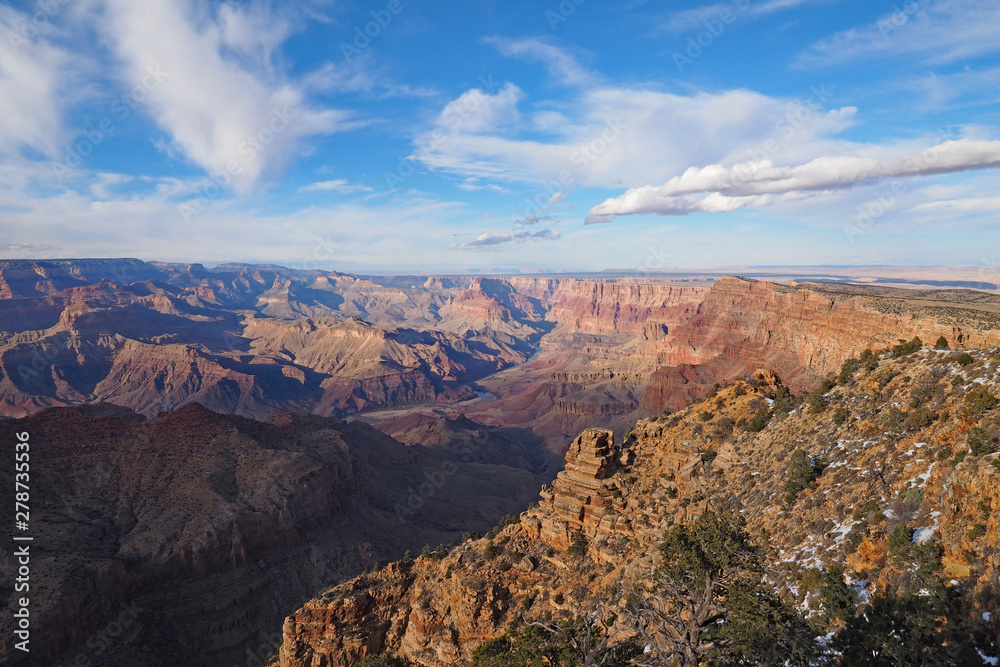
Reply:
x=187, y=538
x=904, y=441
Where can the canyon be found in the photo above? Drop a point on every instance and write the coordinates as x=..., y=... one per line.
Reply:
x=591, y=546
x=221, y=444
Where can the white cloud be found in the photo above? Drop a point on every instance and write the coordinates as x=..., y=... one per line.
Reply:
x=697, y=17
x=340, y=186
x=629, y=135
x=936, y=92
x=561, y=65
x=937, y=32
x=32, y=73
x=488, y=241
x=216, y=95
x=533, y=219
x=476, y=110
x=716, y=188
x=343, y=235
x=963, y=205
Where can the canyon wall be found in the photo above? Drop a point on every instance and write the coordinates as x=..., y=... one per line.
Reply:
x=592, y=543
x=201, y=532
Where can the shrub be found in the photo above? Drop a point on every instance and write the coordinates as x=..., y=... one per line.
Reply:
x=494, y=648
x=906, y=630
x=490, y=551
x=839, y=599
x=869, y=361
x=847, y=370
x=892, y=418
x=919, y=418
x=579, y=546
x=802, y=471
x=705, y=415
x=839, y=416
x=723, y=428
x=979, y=442
x=941, y=344
x=900, y=540
x=817, y=403
x=759, y=422
x=907, y=347
x=964, y=359
x=714, y=558
x=857, y=534
x=382, y=661
x=784, y=401
x=708, y=456
x=957, y=381
x=570, y=644
x=978, y=401
x=978, y=531
x=996, y=464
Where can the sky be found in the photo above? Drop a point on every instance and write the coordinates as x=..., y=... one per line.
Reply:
x=572, y=135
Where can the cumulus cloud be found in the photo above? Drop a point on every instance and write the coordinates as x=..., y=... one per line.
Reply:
x=626, y=135
x=489, y=241
x=716, y=188
x=340, y=186
x=211, y=87
x=477, y=110
x=938, y=32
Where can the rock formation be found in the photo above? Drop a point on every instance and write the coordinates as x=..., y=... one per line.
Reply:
x=581, y=494
x=926, y=468
x=203, y=531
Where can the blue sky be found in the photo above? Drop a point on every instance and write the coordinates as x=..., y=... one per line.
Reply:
x=434, y=136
